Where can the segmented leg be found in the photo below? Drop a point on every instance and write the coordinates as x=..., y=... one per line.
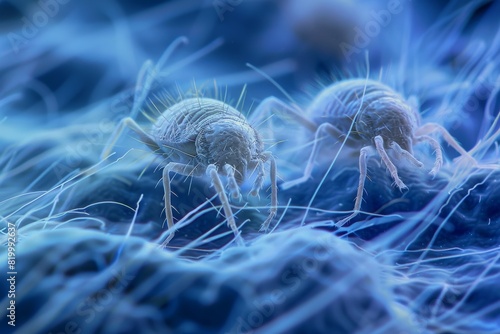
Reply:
x=379, y=145
x=437, y=150
x=234, y=190
x=323, y=128
x=434, y=127
x=132, y=125
x=405, y=154
x=149, y=72
x=272, y=105
x=363, y=154
x=259, y=180
x=178, y=168
x=274, y=191
x=212, y=172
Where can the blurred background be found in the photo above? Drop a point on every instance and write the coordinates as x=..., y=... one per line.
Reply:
x=77, y=54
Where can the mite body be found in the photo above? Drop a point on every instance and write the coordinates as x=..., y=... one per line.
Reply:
x=376, y=109
x=374, y=118
x=200, y=136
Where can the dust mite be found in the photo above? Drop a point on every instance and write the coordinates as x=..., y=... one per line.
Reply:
x=202, y=135
x=382, y=120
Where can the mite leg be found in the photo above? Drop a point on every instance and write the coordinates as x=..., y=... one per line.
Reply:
x=259, y=180
x=148, y=73
x=437, y=150
x=274, y=191
x=272, y=105
x=325, y=127
x=212, y=172
x=405, y=154
x=132, y=125
x=234, y=190
x=178, y=168
x=265, y=109
x=379, y=145
x=363, y=154
x=434, y=127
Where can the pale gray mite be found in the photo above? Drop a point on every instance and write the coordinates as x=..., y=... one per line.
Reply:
x=382, y=118
x=202, y=135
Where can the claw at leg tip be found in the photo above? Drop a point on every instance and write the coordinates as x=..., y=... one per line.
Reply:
x=401, y=186
x=265, y=226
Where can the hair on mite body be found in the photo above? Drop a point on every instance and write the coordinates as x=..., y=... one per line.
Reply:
x=199, y=135
x=368, y=115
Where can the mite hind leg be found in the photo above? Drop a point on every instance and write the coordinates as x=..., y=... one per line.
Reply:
x=363, y=155
x=323, y=128
x=132, y=125
x=265, y=110
x=272, y=105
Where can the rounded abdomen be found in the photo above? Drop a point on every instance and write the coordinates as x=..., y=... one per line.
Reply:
x=382, y=111
x=183, y=121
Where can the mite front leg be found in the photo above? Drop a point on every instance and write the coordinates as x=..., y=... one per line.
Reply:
x=379, y=145
x=363, y=155
x=212, y=172
x=259, y=180
x=323, y=128
x=132, y=125
x=407, y=155
x=181, y=169
x=437, y=151
x=234, y=189
x=434, y=127
x=274, y=192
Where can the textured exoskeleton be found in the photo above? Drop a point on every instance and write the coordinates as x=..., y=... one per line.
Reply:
x=371, y=115
x=202, y=135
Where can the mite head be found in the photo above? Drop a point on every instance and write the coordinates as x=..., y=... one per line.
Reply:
x=392, y=119
x=402, y=123
x=229, y=142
